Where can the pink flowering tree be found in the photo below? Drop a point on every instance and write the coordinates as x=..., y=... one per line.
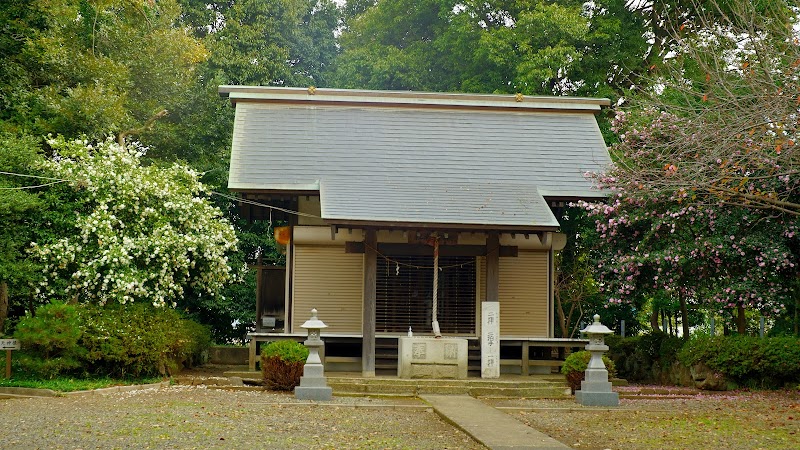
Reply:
x=704, y=191
x=726, y=260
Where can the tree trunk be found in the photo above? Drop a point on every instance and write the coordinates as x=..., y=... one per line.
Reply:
x=654, y=320
x=562, y=321
x=741, y=322
x=669, y=322
x=796, y=308
x=684, y=317
x=3, y=304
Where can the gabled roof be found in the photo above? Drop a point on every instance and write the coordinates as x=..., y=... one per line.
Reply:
x=406, y=157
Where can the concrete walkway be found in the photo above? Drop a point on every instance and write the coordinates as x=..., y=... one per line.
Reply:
x=492, y=428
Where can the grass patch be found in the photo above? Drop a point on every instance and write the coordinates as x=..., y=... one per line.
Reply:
x=69, y=384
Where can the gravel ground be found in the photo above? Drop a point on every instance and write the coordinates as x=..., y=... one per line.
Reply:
x=735, y=420
x=186, y=417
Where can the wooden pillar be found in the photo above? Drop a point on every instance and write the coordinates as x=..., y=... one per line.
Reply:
x=251, y=355
x=368, y=319
x=492, y=266
x=259, y=288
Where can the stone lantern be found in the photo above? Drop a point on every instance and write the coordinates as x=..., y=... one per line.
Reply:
x=312, y=384
x=596, y=389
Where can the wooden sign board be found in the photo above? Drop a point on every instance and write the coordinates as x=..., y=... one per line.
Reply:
x=9, y=344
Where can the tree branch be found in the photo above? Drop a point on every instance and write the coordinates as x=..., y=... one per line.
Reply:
x=146, y=126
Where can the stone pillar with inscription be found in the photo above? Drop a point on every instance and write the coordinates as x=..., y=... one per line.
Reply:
x=490, y=339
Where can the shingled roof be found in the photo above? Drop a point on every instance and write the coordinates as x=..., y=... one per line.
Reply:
x=408, y=157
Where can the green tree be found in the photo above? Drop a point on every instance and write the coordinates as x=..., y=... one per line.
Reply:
x=18, y=104
x=19, y=204
x=95, y=67
x=253, y=42
x=441, y=45
x=576, y=288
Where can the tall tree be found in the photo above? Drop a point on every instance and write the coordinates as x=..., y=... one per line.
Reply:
x=19, y=203
x=98, y=67
x=442, y=45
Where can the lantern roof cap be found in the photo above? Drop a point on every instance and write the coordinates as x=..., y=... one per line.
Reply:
x=313, y=322
x=597, y=327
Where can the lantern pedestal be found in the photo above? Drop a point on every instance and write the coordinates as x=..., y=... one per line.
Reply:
x=428, y=357
x=595, y=388
x=313, y=385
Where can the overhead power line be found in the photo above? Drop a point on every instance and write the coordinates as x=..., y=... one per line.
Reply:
x=229, y=197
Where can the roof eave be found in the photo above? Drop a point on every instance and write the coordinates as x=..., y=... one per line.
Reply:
x=410, y=99
x=345, y=223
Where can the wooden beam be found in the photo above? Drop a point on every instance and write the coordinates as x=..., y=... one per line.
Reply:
x=427, y=250
x=368, y=317
x=492, y=266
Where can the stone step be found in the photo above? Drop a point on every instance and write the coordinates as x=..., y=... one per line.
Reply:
x=537, y=381
x=555, y=391
x=524, y=387
x=344, y=384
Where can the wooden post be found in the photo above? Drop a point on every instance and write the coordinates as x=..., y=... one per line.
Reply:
x=8, y=345
x=526, y=357
x=251, y=360
x=259, y=300
x=368, y=318
x=492, y=266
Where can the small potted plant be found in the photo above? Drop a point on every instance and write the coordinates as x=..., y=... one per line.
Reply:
x=282, y=364
x=574, y=368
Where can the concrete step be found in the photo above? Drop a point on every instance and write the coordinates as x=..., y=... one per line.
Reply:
x=552, y=393
x=518, y=381
x=344, y=384
x=475, y=388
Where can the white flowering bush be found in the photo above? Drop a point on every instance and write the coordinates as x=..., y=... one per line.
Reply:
x=144, y=233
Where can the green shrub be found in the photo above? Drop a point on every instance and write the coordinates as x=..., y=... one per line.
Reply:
x=575, y=365
x=288, y=351
x=50, y=340
x=648, y=358
x=140, y=340
x=132, y=340
x=282, y=364
x=750, y=361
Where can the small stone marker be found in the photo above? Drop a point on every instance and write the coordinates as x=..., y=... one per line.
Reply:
x=8, y=345
x=312, y=384
x=596, y=389
x=490, y=339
